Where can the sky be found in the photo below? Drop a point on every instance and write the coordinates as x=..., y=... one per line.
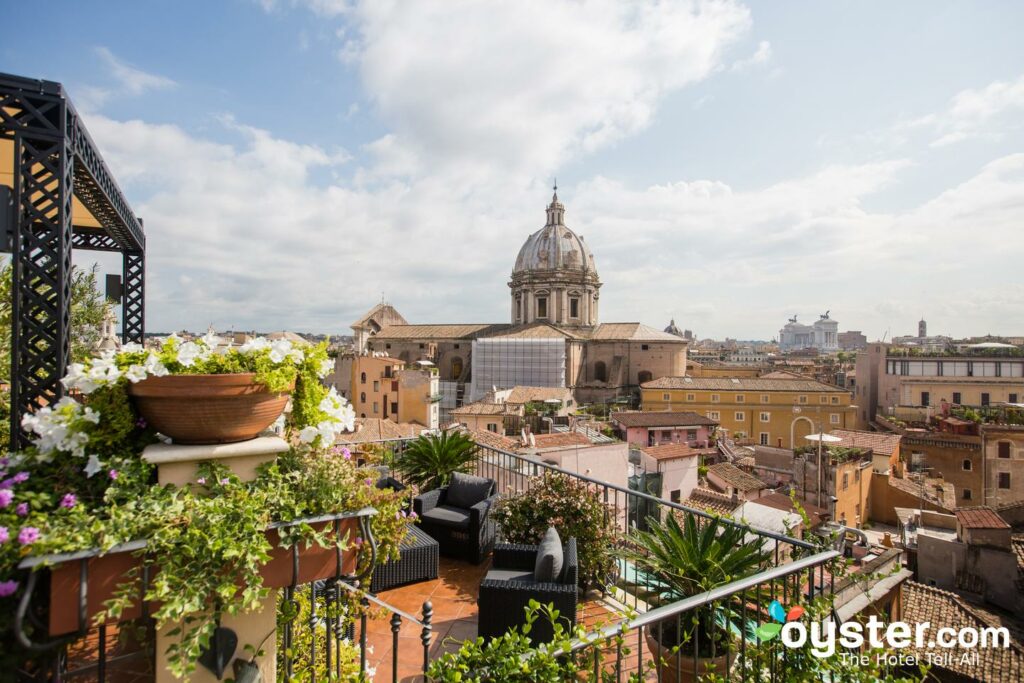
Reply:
x=729, y=164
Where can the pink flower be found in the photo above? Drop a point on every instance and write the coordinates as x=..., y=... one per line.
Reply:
x=359, y=540
x=6, y=496
x=20, y=477
x=413, y=515
x=22, y=509
x=28, y=535
x=68, y=501
x=201, y=481
x=8, y=588
x=369, y=482
x=225, y=481
x=346, y=453
x=113, y=474
x=4, y=535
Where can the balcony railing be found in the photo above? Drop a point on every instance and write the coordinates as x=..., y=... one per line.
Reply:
x=314, y=639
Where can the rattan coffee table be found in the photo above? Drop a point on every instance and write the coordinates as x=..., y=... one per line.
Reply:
x=418, y=562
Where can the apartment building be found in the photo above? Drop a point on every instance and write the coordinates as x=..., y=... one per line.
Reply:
x=386, y=388
x=895, y=381
x=776, y=412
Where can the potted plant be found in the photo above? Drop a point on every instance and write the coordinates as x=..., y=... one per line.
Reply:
x=573, y=508
x=691, y=559
x=196, y=392
x=429, y=461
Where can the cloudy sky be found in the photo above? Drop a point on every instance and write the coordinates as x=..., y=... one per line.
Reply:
x=729, y=164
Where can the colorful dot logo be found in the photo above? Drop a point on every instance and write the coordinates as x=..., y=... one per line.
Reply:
x=776, y=611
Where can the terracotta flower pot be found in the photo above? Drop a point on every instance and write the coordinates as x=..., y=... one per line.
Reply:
x=683, y=670
x=206, y=409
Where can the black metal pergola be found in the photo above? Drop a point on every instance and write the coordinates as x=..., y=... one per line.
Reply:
x=64, y=197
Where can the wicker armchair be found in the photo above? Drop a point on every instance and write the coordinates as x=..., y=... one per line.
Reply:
x=462, y=533
x=509, y=586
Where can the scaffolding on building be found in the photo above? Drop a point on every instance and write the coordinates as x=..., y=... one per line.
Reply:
x=505, y=362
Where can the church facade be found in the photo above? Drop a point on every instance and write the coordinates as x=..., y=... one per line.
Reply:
x=554, y=336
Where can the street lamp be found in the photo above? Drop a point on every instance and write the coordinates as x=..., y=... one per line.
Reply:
x=821, y=438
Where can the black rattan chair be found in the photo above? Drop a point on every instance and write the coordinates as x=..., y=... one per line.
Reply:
x=509, y=586
x=466, y=533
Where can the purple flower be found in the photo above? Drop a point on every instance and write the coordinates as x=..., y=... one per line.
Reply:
x=359, y=540
x=4, y=535
x=346, y=453
x=68, y=501
x=6, y=496
x=404, y=514
x=28, y=535
x=6, y=483
x=22, y=509
x=20, y=477
x=8, y=588
x=413, y=515
x=141, y=423
x=369, y=482
x=225, y=481
x=113, y=474
x=201, y=481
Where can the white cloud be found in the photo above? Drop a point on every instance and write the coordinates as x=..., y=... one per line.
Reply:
x=524, y=86
x=971, y=113
x=760, y=58
x=132, y=80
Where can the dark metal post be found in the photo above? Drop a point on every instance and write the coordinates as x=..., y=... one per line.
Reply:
x=133, y=312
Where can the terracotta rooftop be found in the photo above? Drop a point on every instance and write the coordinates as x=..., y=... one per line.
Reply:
x=880, y=442
x=980, y=518
x=633, y=332
x=674, y=451
x=376, y=429
x=741, y=384
x=736, y=477
x=661, y=419
x=559, y=439
x=526, y=394
x=710, y=501
x=943, y=609
x=437, y=331
x=487, y=438
x=946, y=500
x=483, y=408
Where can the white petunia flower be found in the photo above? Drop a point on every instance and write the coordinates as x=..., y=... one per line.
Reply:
x=93, y=465
x=308, y=434
x=279, y=350
x=326, y=367
x=132, y=347
x=153, y=366
x=210, y=340
x=188, y=353
x=135, y=373
x=296, y=356
x=255, y=344
x=91, y=415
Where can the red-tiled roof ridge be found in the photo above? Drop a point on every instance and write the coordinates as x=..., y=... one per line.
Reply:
x=980, y=517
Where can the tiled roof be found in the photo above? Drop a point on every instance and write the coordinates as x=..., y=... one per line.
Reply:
x=499, y=441
x=980, y=517
x=943, y=609
x=558, y=439
x=674, y=451
x=710, y=501
x=376, y=429
x=469, y=331
x=740, y=384
x=632, y=332
x=880, y=442
x=482, y=408
x=736, y=477
x=520, y=395
x=661, y=419
x=531, y=331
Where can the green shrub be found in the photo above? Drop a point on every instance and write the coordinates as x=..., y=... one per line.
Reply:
x=572, y=507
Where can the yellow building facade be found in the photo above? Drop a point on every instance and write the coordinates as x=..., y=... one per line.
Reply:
x=385, y=388
x=771, y=412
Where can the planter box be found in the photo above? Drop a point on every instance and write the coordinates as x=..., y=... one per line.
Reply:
x=107, y=572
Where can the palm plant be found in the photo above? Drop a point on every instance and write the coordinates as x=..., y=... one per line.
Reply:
x=691, y=559
x=429, y=461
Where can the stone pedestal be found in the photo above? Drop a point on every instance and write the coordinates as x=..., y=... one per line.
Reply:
x=177, y=465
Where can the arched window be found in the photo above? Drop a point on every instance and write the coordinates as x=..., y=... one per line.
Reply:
x=600, y=371
x=967, y=465
x=362, y=379
x=644, y=376
x=362, y=397
x=456, y=367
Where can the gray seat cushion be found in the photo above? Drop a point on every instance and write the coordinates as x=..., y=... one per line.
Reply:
x=466, y=490
x=548, y=567
x=509, y=575
x=448, y=516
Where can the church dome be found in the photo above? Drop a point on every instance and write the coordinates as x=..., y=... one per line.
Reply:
x=555, y=246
